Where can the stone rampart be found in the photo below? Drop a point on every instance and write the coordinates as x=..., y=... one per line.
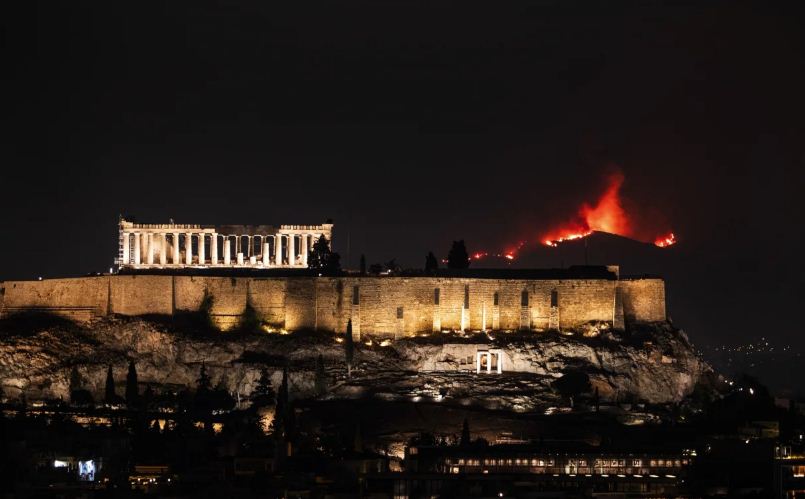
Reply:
x=387, y=305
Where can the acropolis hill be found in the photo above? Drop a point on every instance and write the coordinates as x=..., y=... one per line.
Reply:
x=529, y=326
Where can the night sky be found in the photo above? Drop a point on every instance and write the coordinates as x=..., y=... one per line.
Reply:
x=415, y=123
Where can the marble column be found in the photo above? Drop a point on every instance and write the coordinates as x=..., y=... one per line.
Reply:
x=176, y=255
x=278, y=250
x=202, y=253
x=292, y=250
x=214, y=249
x=163, y=248
x=305, y=243
x=126, y=249
x=188, y=249
x=227, y=250
x=144, y=247
x=266, y=260
x=150, y=258
x=136, y=248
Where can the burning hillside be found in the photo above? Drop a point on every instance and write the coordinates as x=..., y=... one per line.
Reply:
x=606, y=215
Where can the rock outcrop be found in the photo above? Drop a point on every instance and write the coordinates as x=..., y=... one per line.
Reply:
x=656, y=364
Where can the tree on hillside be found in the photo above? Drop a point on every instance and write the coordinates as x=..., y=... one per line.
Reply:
x=203, y=383
x=263, y=394
x=132, y=386
x=321, y=377
x=322, y=257
x=431, y=263
x=458, y=258
x=280, y=422
x=349, y=348
x=75, y=379
x=78, y=395
x=110, y=397
x=363, y=265
x=465, y=433
x=375, y=268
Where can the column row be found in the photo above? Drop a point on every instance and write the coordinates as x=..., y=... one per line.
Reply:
x=150, y=248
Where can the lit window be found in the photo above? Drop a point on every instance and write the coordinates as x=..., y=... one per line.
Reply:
x=637, y=462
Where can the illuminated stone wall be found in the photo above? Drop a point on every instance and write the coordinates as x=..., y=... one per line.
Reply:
x=643, y=299
x=384, y=305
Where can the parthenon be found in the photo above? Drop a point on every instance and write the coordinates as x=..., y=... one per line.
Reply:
x=175, y=245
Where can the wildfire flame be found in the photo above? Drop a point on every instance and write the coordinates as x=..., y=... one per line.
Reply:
x=607, y=215
x=665, y=241
x=509, y=254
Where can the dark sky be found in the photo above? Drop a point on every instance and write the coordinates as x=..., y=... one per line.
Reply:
x=412, y=124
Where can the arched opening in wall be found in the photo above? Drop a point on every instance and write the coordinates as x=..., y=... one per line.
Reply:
x=436, y=296
x=496, y=299
x=356, y=295
x=466, y=297
x=554, y=298
x=524, y=298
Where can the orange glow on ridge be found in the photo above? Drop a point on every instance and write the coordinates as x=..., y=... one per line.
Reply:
x=607, y=215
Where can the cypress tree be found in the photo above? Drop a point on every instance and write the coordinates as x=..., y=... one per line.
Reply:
x=132, y=386
x=75, y=379
x=203, y=384
x=431, y=263
x=458, y=258
x=465, y=433
x=110, y=397
x=263, y=394
x=363, y=265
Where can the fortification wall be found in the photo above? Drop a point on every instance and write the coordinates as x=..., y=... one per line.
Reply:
x=377, y=305
x=643, y=299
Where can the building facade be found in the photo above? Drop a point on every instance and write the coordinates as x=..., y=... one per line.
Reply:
x=172, y=245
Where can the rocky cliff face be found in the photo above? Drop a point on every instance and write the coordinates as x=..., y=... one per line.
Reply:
x=655, y=365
